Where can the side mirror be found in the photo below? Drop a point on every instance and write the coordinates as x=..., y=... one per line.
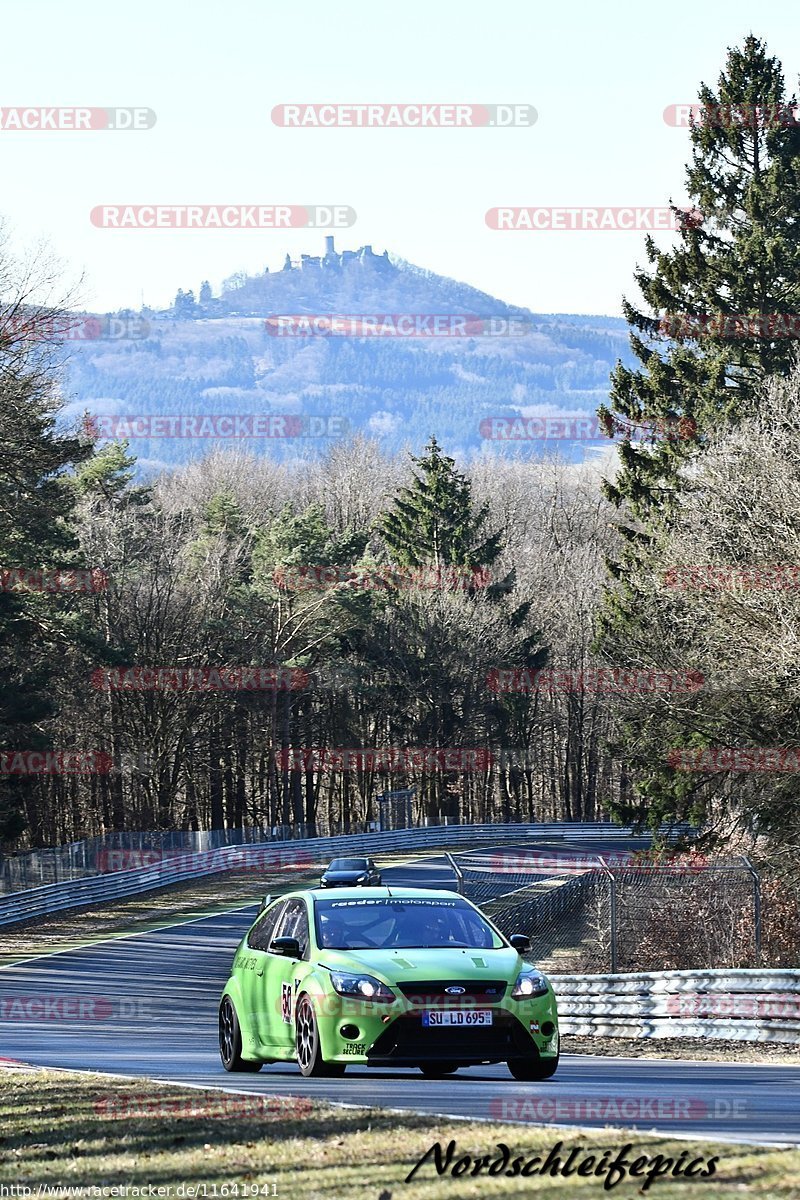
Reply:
x=288, y=946
x=521, y=942
x=267, y=900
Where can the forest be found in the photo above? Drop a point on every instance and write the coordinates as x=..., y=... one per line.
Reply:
x=247, y=640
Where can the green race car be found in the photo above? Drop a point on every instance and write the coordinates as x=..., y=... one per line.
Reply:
x=384, y=977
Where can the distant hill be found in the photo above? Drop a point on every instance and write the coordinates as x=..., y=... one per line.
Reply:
x=229, y=355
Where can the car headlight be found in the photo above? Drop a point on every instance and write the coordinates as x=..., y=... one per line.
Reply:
x=363, y=987
x=362, y=879
x=529, y=984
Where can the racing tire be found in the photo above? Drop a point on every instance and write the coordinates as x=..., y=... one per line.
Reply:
x=230, y=1040
x=308, y=1047
x=531, y=1069
x=437, y=1070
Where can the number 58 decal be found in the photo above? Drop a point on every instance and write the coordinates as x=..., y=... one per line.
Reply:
x=286, y=1003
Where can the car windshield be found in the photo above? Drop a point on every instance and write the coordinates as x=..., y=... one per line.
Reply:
x=402, y=923
x=348, y=864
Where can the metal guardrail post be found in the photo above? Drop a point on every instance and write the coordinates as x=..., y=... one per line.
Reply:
x=459, y=874
x=612, y=918
x=756, y=906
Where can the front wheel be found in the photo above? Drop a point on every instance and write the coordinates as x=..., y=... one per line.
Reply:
x=230, y=1040
x=307, y=1043
x=527, y=1069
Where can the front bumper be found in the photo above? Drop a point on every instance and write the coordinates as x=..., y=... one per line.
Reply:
x=407, y=1041
x=394, y=1035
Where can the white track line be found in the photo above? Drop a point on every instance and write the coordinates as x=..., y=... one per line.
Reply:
x=591, y=1130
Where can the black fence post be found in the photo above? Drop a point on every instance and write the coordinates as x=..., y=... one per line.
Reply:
x=756, y=906
x=612, y=917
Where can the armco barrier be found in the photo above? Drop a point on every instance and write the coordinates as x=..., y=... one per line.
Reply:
x=78, y=860
x=739, y=1005
x=34, y=902
x=124, y=849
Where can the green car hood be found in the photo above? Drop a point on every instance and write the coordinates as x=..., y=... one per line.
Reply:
x=392, y=966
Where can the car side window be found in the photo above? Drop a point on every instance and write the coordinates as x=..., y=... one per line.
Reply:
x=475, y=933
x=295, y=924
x=261, y=934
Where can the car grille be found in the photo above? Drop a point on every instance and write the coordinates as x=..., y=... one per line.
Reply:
x=408, y=1041
x=427, y=992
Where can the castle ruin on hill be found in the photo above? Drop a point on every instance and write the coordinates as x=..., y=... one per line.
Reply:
x=332, y=260
x=242, y=294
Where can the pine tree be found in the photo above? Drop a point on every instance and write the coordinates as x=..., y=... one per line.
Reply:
x=205, y=292
x=742, y=258
x=37, y=533
x=433, y=523
x=108, y=476
x=437, y=687
x=701, y=363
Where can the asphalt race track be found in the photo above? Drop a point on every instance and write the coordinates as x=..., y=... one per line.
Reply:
x=147, y=1005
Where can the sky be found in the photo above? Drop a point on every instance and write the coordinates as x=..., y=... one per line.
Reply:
x=599, y=76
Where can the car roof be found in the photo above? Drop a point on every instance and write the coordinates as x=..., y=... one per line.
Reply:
x=378, y=893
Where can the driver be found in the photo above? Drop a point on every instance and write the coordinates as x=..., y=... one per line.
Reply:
x=434, y=928
x=333, y=935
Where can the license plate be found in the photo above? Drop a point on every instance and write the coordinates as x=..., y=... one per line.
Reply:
x=473, y=1016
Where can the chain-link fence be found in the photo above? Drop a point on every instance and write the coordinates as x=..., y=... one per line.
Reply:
x=128, y=850
x=125, y=850
x=564, y=909
x=113, y=852
x=596, y=914
x=680, y=918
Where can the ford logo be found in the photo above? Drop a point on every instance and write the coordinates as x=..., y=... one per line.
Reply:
x=455, y=991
